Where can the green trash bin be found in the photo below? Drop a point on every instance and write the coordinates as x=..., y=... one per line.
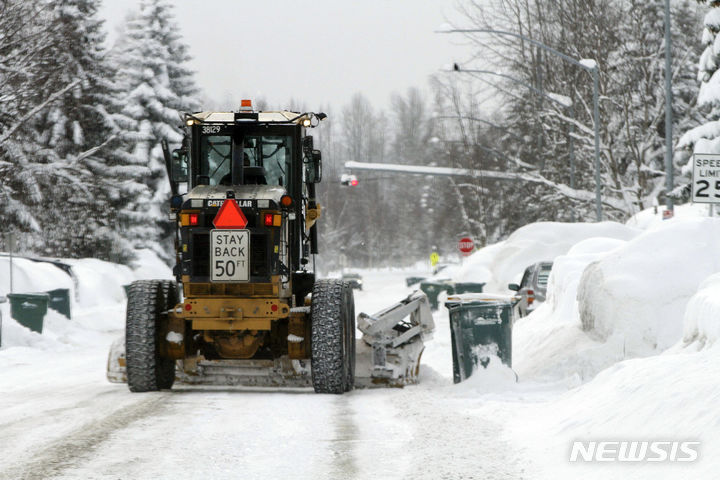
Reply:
x=468, y=287
x=60, y=301
x=479, y=328
x=29, y=309
x=433, y=288
x=413, y=280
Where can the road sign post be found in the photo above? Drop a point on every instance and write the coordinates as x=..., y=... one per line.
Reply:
x=466, y=246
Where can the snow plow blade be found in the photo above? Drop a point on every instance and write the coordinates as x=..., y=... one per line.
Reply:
x=280, y=372
x=388, y=354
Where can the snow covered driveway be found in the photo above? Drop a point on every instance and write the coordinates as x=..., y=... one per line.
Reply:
x=60, y=418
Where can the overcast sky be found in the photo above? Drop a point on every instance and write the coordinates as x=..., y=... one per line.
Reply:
x=317, y=52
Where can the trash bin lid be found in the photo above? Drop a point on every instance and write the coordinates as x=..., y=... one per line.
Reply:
x=28, y=296
x=482, y=298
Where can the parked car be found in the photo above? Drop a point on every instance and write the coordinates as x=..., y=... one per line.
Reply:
x=354, y=279
x=533, y=287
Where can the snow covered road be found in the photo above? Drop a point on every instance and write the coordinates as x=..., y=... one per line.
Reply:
x=60, y=418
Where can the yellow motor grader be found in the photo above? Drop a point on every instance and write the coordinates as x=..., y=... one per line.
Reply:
x=246, y=308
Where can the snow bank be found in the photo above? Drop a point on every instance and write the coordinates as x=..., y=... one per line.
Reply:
x=59, y=334
x=149, y=266
x=637, y=294
x=100, y=282
x=550, y=342
x=702, y=316
x=96, y=292
x=670, y=397
x=645, y=294
x=29, y=276
x=505, y=262
x=656, y=295
x=651, y=217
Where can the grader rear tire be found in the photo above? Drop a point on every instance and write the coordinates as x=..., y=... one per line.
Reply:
x=333, y=337
x=147, y=371
x=350, y=333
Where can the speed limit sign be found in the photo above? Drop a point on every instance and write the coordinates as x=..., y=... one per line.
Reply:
x=706, y=178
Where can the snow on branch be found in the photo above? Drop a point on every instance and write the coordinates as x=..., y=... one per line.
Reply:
x=38, y=108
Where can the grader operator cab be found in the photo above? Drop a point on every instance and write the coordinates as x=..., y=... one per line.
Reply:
x=246, y=308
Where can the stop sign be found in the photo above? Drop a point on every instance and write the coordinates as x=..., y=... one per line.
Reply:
x=466, y=245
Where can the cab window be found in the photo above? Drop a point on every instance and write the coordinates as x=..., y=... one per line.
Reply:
x=273, y=153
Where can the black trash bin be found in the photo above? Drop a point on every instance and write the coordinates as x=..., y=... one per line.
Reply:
x=479, y=327
x=60, y=301
x=29, y=309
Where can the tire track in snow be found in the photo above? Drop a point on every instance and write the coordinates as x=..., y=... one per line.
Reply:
x=66, y=452
x=343, y=445
x=457, y=443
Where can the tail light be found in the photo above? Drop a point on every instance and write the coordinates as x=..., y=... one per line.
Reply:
x=530, y=296
x=189, y=219
x=272, y=220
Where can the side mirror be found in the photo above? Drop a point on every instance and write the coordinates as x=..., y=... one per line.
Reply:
x=179, y=166
x=514, y=287
x=314, y=168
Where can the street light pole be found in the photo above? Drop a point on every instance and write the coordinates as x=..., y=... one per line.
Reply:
x=669, y=173
x=588, y=65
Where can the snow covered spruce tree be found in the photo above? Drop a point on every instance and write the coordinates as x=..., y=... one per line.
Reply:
x=77, y=135
x=21, y=36
x=58, y=130
x=704, y=138
x=157, y=85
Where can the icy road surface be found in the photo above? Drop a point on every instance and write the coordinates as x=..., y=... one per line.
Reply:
x=60, y=418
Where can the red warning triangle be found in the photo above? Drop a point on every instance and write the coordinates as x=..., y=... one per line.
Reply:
x=230, y=216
